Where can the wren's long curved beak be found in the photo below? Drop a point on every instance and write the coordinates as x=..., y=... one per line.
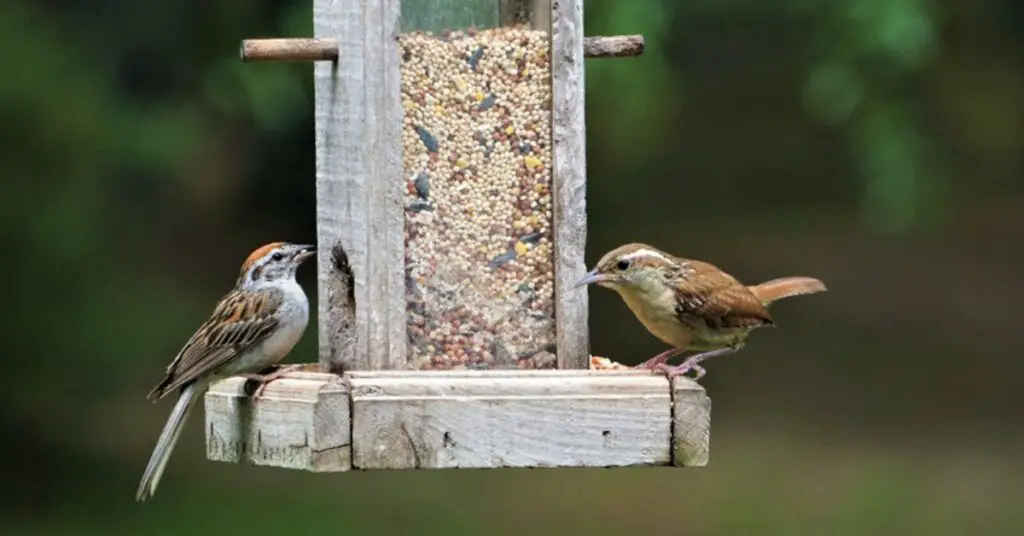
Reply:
x=592, y=276
x=305, y=251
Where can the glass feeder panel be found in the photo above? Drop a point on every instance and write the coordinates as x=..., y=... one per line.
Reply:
x=476, y=139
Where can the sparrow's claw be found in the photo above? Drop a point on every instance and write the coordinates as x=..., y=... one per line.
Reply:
x=256, y=395
x=659, y=360
x=265, y=379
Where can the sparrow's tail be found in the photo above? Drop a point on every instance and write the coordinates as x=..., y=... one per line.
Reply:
x=165, y=445
x=784, y=287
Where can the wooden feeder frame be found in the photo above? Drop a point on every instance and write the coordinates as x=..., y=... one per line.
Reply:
x=358, y=408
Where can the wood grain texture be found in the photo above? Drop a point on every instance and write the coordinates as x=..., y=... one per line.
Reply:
x=359, y=188
x=691, y=423
x=613, y=46
x=491, y=419
x=460, y=419
x=569, y=178
x=301, y=422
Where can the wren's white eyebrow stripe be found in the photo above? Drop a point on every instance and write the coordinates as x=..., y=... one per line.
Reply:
x=646, y=253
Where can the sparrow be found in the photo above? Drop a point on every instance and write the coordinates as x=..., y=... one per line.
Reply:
x=689, y=304
x=253, y=327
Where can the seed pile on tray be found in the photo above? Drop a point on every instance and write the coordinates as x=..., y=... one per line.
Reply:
x=476, y=143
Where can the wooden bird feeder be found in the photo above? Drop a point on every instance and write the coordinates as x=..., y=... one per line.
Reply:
x=451, y=222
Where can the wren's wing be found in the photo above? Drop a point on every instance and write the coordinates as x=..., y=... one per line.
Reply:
x=718, y=299
x=241, y=320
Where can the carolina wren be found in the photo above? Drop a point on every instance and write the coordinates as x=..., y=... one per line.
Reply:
x=691, y=305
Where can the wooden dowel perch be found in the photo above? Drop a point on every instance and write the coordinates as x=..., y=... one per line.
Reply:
x=294, y=49
x=302, y=49
x=613, y=46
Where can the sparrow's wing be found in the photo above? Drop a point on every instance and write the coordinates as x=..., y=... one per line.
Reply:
x=241, y=320
x=718, y=299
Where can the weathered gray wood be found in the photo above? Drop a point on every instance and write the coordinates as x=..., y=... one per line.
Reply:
x=359, y=186
x=449, y=419
x=691, y=423
x=541, y=13
x=489, y=419
x=301, y=422
x=569, y=180
x=613, y=46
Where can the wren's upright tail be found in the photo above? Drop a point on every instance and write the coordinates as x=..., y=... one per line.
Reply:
x=784, y=287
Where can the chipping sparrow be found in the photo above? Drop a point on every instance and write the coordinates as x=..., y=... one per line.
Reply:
x=253, y=327
x=691, y=305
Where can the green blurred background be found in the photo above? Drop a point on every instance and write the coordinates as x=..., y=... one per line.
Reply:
x=875, y=144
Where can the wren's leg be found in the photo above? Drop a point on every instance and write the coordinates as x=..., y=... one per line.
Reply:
x=659, y=359
x=693, y=362
x=265, y=379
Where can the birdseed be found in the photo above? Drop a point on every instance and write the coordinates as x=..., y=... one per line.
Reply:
x=476, y=143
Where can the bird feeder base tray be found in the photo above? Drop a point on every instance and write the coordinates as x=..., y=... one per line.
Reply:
x=323, y=422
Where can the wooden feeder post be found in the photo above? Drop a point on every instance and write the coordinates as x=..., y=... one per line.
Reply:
x=451, y=226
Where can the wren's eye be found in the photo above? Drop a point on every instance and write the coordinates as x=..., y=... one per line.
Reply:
x=622, y=265
x=276, y=257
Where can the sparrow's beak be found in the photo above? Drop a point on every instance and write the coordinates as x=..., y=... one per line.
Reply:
x=305, y=251
x=592, y=277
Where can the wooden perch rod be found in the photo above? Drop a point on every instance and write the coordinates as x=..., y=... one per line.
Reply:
x=305, y=49
x=293, y=49
x=613, y=46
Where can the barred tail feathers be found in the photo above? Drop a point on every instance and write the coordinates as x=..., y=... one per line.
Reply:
x=785, y=287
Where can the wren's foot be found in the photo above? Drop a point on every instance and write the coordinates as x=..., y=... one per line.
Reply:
x=693, y=362
x=265, y=379
x=681, y=370
x=660, y=359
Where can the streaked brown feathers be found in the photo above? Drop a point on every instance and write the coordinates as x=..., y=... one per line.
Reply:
x=241, y=320
x=717, y=299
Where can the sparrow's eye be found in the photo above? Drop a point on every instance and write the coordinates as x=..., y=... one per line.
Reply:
x=276, y=257
x=622, y=265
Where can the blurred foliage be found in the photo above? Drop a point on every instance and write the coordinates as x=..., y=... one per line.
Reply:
x=873, y=143
x=645, y=89
x=861, y=57
x=866, y=53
